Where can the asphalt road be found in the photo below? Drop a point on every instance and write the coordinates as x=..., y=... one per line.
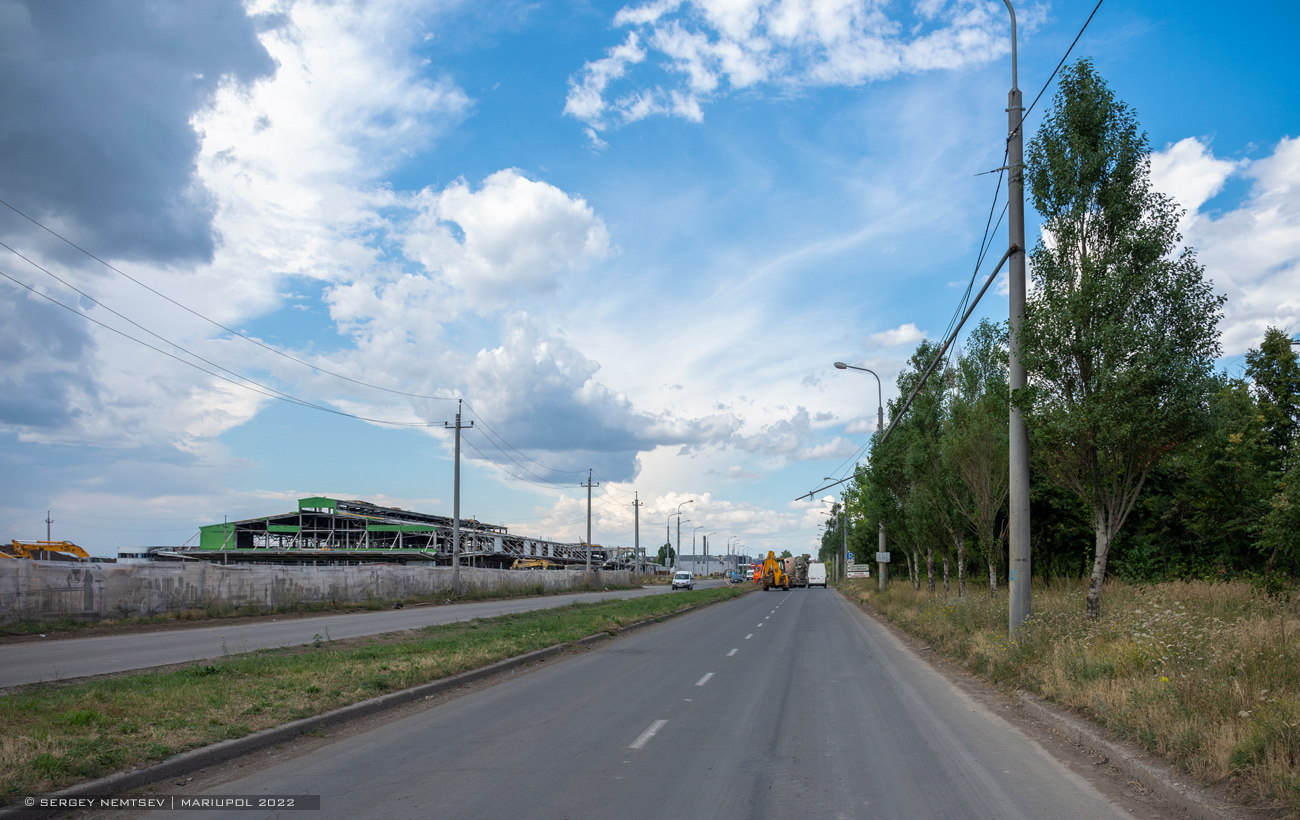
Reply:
x=57, y=659
x=777, y=705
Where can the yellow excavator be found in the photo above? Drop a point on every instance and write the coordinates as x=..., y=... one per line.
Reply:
x=774, y=574
x=532, y=563
x=33, y=549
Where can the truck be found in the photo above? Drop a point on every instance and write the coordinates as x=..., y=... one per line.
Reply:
x=773, y=573
x=817, y=574
x=797, y=569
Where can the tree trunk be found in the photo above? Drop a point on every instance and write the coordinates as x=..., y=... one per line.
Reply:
x=929, y=567
x=1098, y=576
x=945, y=573
x=961, y=565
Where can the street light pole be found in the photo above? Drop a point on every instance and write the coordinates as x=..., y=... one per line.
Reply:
x=677, y=559
x=882, y=568
x=1021, y=570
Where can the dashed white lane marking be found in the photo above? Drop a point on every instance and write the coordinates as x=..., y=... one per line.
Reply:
x=647, y=734
x=704, y=679
x=732, y=652
x=750, y=635
x=760, y=624
x=768, y=618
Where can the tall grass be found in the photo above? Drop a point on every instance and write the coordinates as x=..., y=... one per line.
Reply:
x=52, y=735
x=1205, y=674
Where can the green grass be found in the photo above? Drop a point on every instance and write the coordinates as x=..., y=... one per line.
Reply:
x=53, y=735
x=1205, y=674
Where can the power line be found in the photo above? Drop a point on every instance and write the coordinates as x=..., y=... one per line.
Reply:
x=1061, y=63
x=259, y=388
x=214, y=322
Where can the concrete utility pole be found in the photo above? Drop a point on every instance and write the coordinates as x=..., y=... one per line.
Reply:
x=455, y=503
x=636, y=533
x=1021, y=570
x=589, y=485
x=844, y=530
x=48, y=521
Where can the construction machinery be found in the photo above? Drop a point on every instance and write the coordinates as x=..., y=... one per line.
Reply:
x=533, y=563
x=34, y=549
x=773, y=573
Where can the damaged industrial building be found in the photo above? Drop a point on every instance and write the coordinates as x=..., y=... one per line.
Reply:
x=329, y=531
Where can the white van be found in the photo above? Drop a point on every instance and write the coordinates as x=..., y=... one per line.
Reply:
x=817, y=574
x=682, y=579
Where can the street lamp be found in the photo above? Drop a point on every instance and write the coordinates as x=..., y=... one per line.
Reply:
x=668, y=525
x=677, y=559
x=706, y=551
x=1021, y=570
x=880, y=393
x=882, y=568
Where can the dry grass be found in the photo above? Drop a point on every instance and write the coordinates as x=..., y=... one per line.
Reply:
x=53, y=735
x=1205, y=674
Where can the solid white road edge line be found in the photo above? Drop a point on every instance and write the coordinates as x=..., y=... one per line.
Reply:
x=647, y=734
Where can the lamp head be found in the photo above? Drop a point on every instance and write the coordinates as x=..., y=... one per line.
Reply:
x=841, y=366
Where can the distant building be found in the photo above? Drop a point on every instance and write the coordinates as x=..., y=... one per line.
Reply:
x=333, y=531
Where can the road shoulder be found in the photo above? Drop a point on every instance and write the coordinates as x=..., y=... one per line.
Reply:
x=1144, y=786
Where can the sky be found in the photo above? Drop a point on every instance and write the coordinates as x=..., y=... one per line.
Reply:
x=254, y=252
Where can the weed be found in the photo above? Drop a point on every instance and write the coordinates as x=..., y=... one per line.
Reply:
x=1203, y=673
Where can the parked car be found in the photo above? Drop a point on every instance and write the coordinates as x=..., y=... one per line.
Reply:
x=682, y=579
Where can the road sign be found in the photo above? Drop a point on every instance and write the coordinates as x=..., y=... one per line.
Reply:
x=882, y=558
x=859, y=571
x=850, y=558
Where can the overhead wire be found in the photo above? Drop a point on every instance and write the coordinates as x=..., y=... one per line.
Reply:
x=214, y=322
x=985, y=243
x=258, y=387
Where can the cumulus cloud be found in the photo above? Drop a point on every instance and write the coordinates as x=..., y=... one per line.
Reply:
x=513, y=236
x=1250, y=251
x=907, y=334
x=704, y=48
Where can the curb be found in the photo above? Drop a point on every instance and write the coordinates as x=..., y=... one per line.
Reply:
x=1152, y=774
x=216, y=753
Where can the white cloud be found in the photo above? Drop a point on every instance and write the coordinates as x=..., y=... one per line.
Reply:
x=906, y=334
x=512, y=236
x=1252, y=251
x=711, y=47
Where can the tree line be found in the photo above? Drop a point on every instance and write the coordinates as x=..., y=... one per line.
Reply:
x=1146, y=462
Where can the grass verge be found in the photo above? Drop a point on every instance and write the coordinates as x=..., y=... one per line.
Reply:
x=55, y=735
x=1205, y=674
x=217, y=611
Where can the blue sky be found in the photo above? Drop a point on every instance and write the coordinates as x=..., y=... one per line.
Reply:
x=632, y=237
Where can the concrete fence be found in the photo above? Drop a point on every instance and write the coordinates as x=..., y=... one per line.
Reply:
x=36, y=590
